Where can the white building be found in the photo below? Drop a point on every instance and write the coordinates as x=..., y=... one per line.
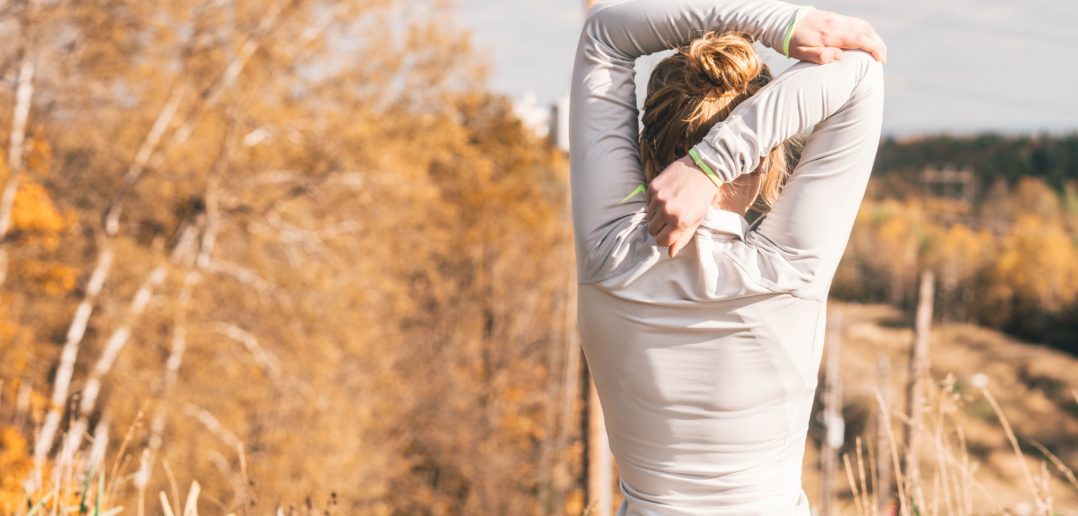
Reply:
x=535, y=117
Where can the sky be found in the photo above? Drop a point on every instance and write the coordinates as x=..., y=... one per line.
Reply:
x=954, y=66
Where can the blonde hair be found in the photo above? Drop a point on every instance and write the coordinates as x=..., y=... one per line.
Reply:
x=693, y=89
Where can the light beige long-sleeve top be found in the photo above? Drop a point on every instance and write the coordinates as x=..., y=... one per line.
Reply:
x=706, y=363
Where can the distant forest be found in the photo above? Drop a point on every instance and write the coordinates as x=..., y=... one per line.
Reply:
x=1053, y=159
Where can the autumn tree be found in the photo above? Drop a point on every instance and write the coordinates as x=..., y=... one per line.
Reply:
x=287, y=249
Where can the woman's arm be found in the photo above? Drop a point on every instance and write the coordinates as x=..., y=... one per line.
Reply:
x=603, y=116
x=811, y=221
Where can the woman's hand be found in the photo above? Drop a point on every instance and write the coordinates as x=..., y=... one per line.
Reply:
x=678, y=198
x=821, y=36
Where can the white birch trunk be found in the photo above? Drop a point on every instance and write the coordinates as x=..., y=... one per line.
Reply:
x=24, y=93
x=191, y=279
x=120, y=337
x=75, y=333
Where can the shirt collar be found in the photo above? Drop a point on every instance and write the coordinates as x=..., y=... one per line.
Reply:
x=724, y=221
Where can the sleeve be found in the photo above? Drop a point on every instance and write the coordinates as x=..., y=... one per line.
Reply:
x=604, y=159
x=810, y=222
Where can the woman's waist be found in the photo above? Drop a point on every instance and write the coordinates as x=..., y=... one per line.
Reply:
x=761, y=487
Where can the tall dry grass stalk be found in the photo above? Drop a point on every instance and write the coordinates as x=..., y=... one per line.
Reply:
x=946, y=485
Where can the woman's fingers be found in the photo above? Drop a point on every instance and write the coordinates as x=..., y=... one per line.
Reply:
x=819, y=55
x=682, y=241
x=656, y=220
x=668, y=235
x=881, y=47
x=654, y=229
x=872, y=43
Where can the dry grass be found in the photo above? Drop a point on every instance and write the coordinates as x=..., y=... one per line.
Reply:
x=999, y=427
x=83, y=482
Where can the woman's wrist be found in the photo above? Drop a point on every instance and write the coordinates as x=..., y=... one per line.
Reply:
x=703, y=166
x=789, y=34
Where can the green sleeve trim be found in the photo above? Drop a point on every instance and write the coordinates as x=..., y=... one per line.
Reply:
x=790, y=29
x=704, y=166
x=639, y=190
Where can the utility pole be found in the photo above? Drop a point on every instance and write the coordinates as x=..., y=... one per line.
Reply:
x=600, y=464
x=832, y=416
x=955, y=186
x=599, y=460
x=883, y=440
x=917, y=373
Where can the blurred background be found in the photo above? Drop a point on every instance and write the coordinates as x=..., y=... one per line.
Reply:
x=308, y=256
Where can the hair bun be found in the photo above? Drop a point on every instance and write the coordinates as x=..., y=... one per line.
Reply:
x=692, y=90
x=725, y=61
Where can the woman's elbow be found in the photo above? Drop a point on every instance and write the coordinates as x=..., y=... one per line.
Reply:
x=870, y=71
x=607, y=29
x=595, y=24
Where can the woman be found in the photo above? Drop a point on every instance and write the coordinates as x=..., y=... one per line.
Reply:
x=705, y=356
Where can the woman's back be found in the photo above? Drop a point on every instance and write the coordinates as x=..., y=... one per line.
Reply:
x=706, y=379
x=706, y=363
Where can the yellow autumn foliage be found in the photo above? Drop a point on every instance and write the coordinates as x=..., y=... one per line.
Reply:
x=1038, y=263
x=51, y=277
x=960, y=253
x=1011, y=261
x=15, y=464
x=34, y=211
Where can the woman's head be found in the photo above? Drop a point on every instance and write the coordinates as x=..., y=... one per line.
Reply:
x=692, y=90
